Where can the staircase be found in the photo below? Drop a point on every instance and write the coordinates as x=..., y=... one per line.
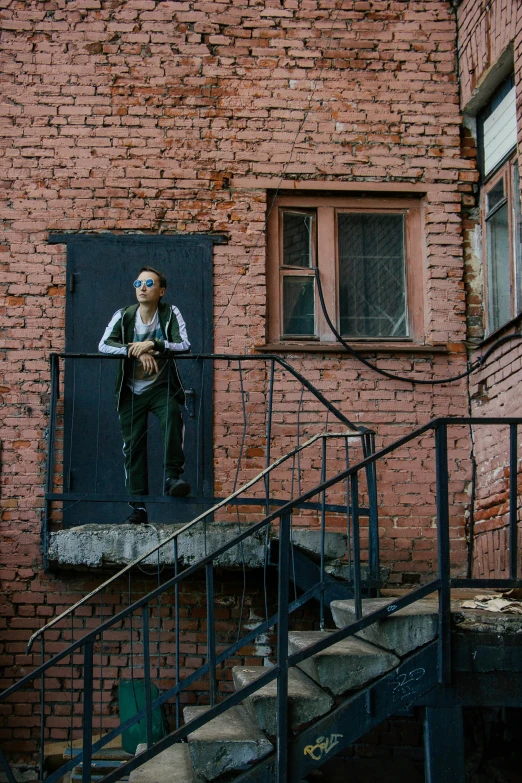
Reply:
x=240, y=743
x=326, y=689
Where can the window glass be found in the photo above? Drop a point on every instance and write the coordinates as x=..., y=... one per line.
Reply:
x=517, y=239
x=372, y=285
x=298, y=305
x=496, y=194
x=498, y=268
x=297, y=239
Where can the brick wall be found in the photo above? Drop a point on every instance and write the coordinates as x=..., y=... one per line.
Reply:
x=178, y=117
x=486, y=29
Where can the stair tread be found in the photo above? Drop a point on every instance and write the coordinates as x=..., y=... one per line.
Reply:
x=172, y=765
x=307, y=700
x=107, y=754
x=421, y=607
x=230, y=742
x=235, y=725
x=345, y=665
x=401, y=631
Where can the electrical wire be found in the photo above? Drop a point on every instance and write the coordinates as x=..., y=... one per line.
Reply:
x=476, y=365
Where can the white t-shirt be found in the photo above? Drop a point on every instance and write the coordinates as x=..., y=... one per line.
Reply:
x=138, y=382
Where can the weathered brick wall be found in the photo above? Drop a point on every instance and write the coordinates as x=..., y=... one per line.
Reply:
x=161, y=116
x=486, y=29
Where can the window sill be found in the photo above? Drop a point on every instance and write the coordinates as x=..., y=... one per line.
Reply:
x=360, y=347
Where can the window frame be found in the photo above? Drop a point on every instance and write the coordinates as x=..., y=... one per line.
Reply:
x=504, y=171
x=326, y=208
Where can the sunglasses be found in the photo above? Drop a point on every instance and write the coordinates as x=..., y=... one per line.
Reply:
x=139, y=283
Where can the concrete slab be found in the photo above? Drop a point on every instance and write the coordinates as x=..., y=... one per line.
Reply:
x=310, y=541
x=171, y=766
x=97, y=546
x=306, y=700
x=401, y=632
x=230, y=742
x=344, y=666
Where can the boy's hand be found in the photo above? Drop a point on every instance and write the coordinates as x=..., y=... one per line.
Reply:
x=138, y=349
x=149, y=363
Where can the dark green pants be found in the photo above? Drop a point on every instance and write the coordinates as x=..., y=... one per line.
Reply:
x=134, y=412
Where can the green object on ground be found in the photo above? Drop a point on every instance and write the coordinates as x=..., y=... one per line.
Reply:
x=131, y=700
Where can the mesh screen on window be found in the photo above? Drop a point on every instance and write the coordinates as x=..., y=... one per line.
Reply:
x=372, y=275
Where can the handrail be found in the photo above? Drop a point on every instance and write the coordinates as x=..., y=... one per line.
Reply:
x=361, y=429
x=266, y=471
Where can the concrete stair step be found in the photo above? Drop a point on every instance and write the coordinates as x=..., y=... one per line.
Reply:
x=306, y=700
x=230, y=742
x=346, y=665
x=401, y=632
x=173, y=765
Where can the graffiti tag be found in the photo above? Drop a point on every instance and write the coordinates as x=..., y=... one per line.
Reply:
x=323, y=745
x=403, y=684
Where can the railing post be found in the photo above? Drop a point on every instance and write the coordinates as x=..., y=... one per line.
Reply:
x=323, y=534
x=443, y=540
x=176, y=631
x=373, y=531
x=42, y=710
x=87, y=710
x=282, y=648
x=513, y=497
x=354, y=485
x=146, y=674
x=211, y=632
x=55, y=392
x=269, y=435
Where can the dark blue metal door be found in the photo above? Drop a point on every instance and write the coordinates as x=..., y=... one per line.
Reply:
x=100, y=272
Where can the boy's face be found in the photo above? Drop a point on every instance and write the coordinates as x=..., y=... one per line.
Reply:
x=149, y=294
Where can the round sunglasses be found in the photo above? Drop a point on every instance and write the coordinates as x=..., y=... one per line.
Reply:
x=139, y=283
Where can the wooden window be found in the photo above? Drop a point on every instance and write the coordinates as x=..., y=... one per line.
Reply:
x=370, y=259
x=502, y=245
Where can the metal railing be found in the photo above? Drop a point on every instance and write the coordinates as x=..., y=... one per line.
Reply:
x=293, y=410
x=449, y=516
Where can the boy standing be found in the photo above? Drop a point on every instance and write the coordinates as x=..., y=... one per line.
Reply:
x=147, y=334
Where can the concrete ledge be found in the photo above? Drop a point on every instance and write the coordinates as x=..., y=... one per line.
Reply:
x=115, y=546
x=98, y=546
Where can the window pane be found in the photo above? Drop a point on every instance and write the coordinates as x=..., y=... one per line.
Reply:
x=372, y=295
x=297, y=239
x=499, y=278
x=518, y=236
x=298, y=305
x=496, y=194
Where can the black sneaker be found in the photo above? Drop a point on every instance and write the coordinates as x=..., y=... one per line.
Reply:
x=138, y=516
x=176, y=488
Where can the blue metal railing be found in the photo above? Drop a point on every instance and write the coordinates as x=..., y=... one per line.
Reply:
x=443, y=582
